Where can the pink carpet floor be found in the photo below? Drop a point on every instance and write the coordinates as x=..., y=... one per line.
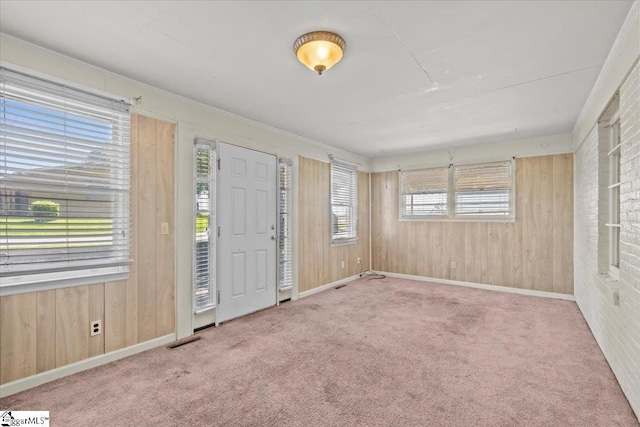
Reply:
x=374, y=353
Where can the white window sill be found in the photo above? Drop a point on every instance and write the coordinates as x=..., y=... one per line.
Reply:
x=468, y=219
x=25, y=284
x=609, y=278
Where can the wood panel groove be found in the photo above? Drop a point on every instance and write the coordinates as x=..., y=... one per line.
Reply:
x=18, y=331
x=72, y=325
x=96, y=312
x=46, y=334
x=115, y=316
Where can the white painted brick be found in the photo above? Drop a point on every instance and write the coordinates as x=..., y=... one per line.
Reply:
x=617, y=329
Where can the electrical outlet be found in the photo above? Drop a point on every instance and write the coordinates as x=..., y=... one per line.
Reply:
x=453, y=264
x=342, y=264
x=359, y=260
x=96, y=328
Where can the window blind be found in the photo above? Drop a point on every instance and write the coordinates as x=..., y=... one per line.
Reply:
x=344, y=201
x=424, y=192
x=204, y=255
x=483, y=189
x=285, y=254
x=64, y=181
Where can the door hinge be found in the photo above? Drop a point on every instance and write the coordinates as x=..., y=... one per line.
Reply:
x=218, y=164
x=218, y=297
x=218, y=231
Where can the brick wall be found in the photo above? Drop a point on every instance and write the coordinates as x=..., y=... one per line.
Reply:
x=616, y=328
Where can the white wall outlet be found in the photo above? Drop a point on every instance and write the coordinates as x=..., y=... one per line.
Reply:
x=359, y=260
x=96, y=327
x=342, y=264
x=453, y=264
x=164, y=228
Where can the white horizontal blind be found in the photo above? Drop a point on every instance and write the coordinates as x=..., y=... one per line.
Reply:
x=204, y=256
x=424, y=192
x=483, y=189
x=285, y=254
x=64, y=181
x=344, y=201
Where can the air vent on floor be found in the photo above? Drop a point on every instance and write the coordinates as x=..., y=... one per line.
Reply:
x=184, y=341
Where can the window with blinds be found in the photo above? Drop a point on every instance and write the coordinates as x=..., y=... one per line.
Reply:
x=64, y=184
x=285, y=254
x=344, y=201
x=483, y=190
x=424, y=192
x=204, y=255
x=466, y=192
x=613, y=190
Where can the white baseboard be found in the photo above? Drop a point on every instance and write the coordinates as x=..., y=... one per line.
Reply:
x=529, y=292
x=63, y=371
x=327, y=286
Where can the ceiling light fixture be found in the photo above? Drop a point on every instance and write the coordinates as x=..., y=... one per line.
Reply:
x=319, y=50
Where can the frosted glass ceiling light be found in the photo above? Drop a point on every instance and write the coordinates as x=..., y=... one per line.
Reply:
x=319, y=50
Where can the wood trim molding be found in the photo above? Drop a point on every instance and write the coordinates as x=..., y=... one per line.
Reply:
x=529, y=292
x=73, y=368
x=327, y=286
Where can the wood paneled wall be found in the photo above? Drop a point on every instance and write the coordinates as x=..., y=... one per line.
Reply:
x=534, y=252
x=319, y=262
x=44, y=330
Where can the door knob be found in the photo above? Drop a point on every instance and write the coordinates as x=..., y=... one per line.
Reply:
x=274, y=237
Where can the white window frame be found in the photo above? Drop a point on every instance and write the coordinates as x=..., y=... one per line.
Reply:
x=451, y=215
x=613, y=196
x=402, y=196
x=352, y=204
x=45, y=280
x=201, y=305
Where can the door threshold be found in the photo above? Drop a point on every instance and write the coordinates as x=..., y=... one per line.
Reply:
x=244, y=315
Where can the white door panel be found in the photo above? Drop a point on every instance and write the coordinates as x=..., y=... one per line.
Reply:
x=247, y=220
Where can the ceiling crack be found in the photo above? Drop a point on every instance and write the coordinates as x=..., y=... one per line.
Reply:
x=138, y=31
x=542, y=78
x=386, y=21
x=175, y=39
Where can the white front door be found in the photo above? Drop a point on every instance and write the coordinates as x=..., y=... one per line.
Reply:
x=248, y=240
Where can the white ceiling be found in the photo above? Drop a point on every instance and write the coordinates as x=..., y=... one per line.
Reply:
x=415, y=75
